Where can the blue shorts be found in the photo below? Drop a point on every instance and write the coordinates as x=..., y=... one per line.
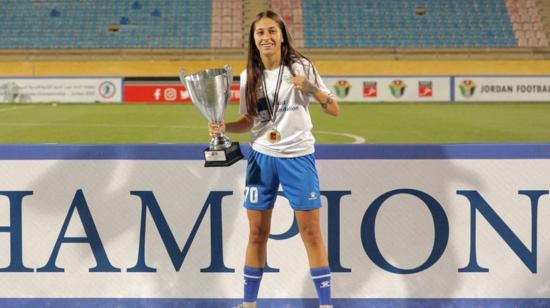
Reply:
x=297, y=176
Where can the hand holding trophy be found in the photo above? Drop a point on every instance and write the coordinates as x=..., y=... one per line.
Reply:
x=210, y=93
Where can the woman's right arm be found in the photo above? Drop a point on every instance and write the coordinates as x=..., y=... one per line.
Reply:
x=241, y=125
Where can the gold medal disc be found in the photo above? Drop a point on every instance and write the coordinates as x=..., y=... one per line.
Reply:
x=273, y=136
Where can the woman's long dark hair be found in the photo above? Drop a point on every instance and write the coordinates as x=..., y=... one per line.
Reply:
x=255, y=67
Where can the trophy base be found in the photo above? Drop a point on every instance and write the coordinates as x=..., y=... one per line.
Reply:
x=223, y=158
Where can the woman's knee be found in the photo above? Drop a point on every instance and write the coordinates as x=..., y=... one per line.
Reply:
x=258, y=235
x=311, y=234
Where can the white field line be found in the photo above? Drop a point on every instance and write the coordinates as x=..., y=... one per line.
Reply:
x=14, y=108
x=356, y=139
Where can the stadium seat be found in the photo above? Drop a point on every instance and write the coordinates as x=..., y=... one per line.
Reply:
x=54, y=13
x=155, y=13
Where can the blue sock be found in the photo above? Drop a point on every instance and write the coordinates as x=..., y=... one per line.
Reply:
x=252, y=279
x=321, y=280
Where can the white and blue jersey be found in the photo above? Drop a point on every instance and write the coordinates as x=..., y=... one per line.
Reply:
x=292, y=119
x=289, y=161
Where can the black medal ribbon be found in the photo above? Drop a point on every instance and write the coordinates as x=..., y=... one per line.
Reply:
x=273, y=106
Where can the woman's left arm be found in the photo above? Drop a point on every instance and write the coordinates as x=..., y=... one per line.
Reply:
x=328, y=103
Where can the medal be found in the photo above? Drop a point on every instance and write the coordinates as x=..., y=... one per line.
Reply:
x=273, y=135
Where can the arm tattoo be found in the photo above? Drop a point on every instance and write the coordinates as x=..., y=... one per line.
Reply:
x=327, y=102
x=308, y=87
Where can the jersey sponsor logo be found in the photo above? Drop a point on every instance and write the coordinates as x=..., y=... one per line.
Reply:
x=284, y=107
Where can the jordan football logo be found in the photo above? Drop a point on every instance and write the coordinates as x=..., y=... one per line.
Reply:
x=397, y=88
x=467, y=88
x=342, y=87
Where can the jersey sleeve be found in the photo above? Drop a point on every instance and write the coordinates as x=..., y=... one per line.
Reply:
x=315, y=78
x=307, y=68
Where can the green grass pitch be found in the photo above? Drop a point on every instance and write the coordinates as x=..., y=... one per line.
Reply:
x=357, y=123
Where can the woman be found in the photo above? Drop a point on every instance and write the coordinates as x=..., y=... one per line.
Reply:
x=276, y=88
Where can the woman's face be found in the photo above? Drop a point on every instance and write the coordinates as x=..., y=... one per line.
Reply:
x=268, y=37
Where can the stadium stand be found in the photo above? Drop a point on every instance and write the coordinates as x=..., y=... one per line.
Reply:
x=292, y=13
x=106, y=24
x=212, y=29
x=227, y=24
x=526, y=23
x=407, y=24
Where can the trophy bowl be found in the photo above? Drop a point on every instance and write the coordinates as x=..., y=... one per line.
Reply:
x=210, y=93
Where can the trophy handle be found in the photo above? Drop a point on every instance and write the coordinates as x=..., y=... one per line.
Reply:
x=182, y=76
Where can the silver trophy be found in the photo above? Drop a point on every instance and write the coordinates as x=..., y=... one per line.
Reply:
x=210, y=93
